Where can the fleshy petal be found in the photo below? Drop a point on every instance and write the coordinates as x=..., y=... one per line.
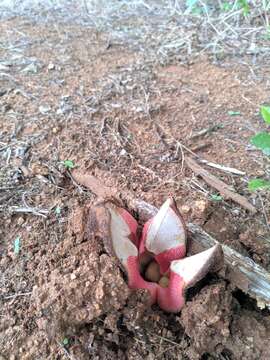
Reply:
x=194, y=268
x=142, y=248
x=165, y=258
x=122, y=233
x=132, y=224
x=185, y=273
x=171, y=298
x=135, y=280
x=166, y=230
x=165, y=235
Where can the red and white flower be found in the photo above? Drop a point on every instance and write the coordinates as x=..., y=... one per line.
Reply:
x=156, y=261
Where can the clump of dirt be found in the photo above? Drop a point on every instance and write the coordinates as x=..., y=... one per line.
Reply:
x=216, y=326
x=207, y=319
x=87, y=282
x=250, y=336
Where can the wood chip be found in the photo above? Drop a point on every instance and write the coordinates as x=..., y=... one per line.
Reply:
x=95, y=185
x=219, y=185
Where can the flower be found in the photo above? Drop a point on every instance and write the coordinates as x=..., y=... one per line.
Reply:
x=156, y=260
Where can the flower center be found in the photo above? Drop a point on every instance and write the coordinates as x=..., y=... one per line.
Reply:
x=150, y=270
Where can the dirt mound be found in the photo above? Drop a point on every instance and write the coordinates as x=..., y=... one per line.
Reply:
x=87, y=282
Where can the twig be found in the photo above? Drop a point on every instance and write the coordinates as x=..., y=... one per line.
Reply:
x=165, y=339
x=223, y=168
x=149, y=171
x=93, y=184
x=74, y=181
x=243, y=272
x=16, y=295
x=264, y=212
x=200, y=147
x=65, y=351
x=30, y=210
x=219, y=185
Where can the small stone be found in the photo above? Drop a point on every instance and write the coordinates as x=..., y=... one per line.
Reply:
x=185, y=209
x=51, y=66
x=39, y=169
x=25, y=171
x=4, y=67
x=44, y=109
x=3, y=92
x=123, y=152
x=30, y=69
x=73, y=276
x=20, y=221
x=201, y=205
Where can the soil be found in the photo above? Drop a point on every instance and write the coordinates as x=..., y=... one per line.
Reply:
x=68, y=95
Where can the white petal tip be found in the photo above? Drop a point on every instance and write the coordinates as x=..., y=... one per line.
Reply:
x=120, y=234
x=194, y=268
x=167, y=229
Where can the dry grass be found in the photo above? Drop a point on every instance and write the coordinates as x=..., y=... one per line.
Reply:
x=163, y=30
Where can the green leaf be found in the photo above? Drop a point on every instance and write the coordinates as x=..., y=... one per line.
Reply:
x=243, y=4
x=57, y=210
x=234, y=113
x=69, y=164
x=191, y=3
x=65, y=341
x=262, y=142
x=265, y=112
x=256, y=184
x=17, y=245
x=226, y=6
x=216, y=197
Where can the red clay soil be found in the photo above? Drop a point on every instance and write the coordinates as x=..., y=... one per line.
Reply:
x=63, y=295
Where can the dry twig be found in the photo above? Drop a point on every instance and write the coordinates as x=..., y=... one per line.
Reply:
x=219, y=185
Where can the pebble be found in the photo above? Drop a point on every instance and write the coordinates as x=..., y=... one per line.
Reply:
x=44, y=109
x=73, y=276
x=20, y=221
x=51, y=66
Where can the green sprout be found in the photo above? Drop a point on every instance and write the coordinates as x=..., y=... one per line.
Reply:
x=69, y=164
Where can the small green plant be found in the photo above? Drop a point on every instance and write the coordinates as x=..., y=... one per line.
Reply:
x=57, y=210
x=243, y=4
x=234, y=113
x=69, y=164
x=266, y=35
x=65, y=341
x=238, y=4
x=258, y=184
x=193, y=7
x=226, y=6
x=262, y=139
x=17, y=245
x=216, y=197
x=262, y=142
x=265, y=112
x=191, y=3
